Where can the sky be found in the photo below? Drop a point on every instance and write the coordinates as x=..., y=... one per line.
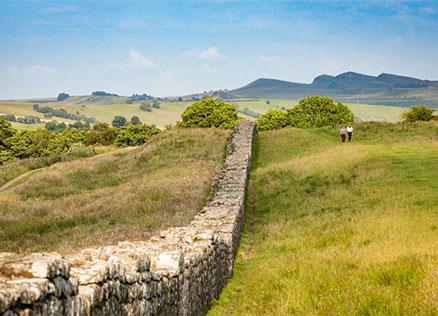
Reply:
x=170, y=48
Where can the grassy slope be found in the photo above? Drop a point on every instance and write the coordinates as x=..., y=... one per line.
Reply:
x=116, y=196
x=105, y=109
x=340, y=229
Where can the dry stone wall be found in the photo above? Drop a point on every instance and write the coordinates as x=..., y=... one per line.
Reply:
x=178, y=272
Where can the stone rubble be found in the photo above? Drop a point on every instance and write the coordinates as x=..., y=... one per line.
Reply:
x=178, y=272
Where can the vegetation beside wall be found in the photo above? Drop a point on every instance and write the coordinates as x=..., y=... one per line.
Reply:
x=339, y=229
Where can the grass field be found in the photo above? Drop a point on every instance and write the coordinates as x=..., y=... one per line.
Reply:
x=105, y=109
x=123, y=195
x=339, y=229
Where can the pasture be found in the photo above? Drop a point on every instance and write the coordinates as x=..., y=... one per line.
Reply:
x=339, y=229
x=104, y=109
x=126, y=194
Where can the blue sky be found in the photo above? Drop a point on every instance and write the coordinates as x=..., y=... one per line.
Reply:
x=169, y=48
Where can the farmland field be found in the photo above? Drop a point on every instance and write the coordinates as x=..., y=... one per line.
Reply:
x=126, y=194
x=339, y=229
x=104, y=110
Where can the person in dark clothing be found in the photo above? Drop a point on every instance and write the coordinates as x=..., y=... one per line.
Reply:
x=349, y=132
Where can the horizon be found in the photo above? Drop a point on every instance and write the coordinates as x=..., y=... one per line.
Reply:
x=181, y=48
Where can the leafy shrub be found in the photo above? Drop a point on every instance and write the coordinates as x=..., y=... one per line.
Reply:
x=54, y=126
x=6, y=131
x=135, y=120
x=29, y=119
x=147, y=107
x=119, y=121
x=209, y=113
x=101, y=134
x=272, y=119
x=318, y=111
x=63, y=96
x=133, y=135
x=310, y=112
x=10, y=117
x=418, y=113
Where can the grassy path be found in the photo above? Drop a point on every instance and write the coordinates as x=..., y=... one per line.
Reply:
x=17, y=179
x=340, y=229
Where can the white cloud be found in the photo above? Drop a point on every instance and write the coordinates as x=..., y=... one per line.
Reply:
x=206, y=69
x=30, y=71
x=137, y=61
x=210, y=53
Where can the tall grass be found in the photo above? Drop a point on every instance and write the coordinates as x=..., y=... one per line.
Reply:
x=116, y=196
x=340, y=229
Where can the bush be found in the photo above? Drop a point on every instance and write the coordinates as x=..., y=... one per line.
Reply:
x=119, y=121
x=63, y=96
x=318, y=111
x=133, y=135
x=418, y=113
x=146, y=107
x=101, y=134
x=10, y=117
x=209, y=113
x=135, y=120
x=272, y=119
x=6, y=131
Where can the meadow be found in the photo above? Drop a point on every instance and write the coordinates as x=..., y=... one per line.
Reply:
x=126, y=194
x=339, y=229
x=104, y=109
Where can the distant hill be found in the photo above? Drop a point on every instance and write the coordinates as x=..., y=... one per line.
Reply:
x=352, y=87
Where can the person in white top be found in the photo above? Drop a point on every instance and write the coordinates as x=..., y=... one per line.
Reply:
x=349, y=132
x=343, y=133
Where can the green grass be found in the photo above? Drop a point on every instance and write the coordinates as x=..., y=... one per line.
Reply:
x=339, y=229
x=122, y=195
x=105, y=109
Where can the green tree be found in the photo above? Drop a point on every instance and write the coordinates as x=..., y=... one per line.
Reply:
x=147, y=107
x=119, y=121
x=318, y=111
x=135, y=120
x=133, y=135
x=209, y=113
x=155, y=103
x=418, y=113
x=272, y=119
x=6, y=131
x=101, y=134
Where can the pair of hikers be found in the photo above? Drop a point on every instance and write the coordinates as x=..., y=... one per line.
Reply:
x=344, y=132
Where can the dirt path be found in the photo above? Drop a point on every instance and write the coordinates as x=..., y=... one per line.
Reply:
x=13, y=181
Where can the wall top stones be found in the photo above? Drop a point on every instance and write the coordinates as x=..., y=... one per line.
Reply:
x=178, y=272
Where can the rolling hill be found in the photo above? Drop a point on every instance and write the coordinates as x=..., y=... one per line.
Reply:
x=384, y=89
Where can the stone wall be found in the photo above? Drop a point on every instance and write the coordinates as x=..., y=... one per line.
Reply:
x=178, y=272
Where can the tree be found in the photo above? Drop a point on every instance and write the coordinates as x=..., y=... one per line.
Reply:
x=119, y=121
x=10, y=117
x=146, y=106
x=418, y=113
x=134, y=135
x=272, y=119
x=63, y=96
x=6, y=131
x=135, y=120
x=318, y=111
x=101, y=134
x=209, y=113
x=155, y=103
x=54, y=126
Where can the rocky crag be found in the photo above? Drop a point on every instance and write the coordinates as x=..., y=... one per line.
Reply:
x=178, y=272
